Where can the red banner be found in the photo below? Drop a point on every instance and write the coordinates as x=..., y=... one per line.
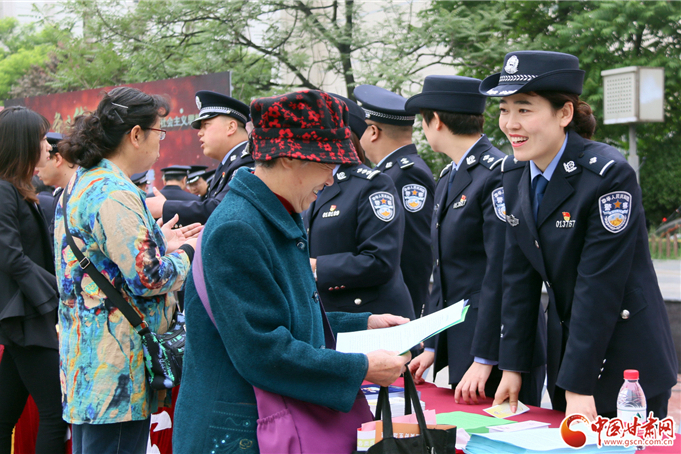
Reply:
x=181, y=145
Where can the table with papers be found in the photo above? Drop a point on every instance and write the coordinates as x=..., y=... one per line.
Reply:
x=442, y=401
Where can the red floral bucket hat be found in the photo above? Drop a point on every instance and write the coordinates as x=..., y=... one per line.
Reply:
x=309, y=124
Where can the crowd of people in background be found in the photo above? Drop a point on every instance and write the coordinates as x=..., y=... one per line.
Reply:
x=319, y=203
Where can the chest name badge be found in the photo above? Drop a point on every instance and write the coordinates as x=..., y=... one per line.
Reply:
x=567, y=222
x=332, y=213
x=383, y=205
x=460, y=203
x=414, y=197
x=615, y=210
x=499, y=203
x=512, y=220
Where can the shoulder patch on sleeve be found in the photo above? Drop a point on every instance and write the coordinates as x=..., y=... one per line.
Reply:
x=414, y=197
x=510, y=163
x=383, y=204
x=405, y=162
x=365, y=173
x=445, y=170
x=499, y=203
x=595, y=163
x=615, y=210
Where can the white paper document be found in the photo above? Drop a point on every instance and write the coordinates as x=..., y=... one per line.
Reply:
x=402, y=337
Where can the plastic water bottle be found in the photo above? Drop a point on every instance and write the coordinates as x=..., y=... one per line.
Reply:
x=631, y=401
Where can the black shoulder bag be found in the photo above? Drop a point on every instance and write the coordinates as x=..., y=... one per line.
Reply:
x=162, y=352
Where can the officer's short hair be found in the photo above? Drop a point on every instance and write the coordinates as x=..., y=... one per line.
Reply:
x=396, y=132
x=173, y=177
x=458, y=123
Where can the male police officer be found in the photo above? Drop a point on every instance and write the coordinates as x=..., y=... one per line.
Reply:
x=387, y=143
x=197, y=181
x=175, y=183
x=222, y=133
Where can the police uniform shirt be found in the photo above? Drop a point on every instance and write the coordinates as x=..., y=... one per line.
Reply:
x=589, y=246
x=416, y=188
x=355, y=230
x=199, y=210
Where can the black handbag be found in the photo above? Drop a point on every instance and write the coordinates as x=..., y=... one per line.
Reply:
x=162, y=352
x=430, y=441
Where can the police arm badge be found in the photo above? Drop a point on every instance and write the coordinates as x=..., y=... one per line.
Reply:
x=414, y=197
x=615, y=210
x=383, y=205
x=499, y=203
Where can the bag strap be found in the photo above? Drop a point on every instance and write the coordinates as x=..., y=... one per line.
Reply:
x=103, y=283
x=200, y=284
x=410, y=395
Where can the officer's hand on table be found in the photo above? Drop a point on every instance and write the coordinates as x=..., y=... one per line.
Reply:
x=580, y=403
x=473, y=383
x=384, y=320
x=508, y=389
x=385, y=367
x=420, y=364
x=155, y=204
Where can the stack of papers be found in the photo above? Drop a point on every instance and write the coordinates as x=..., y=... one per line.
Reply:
x=401, y=338
x=471, y=422
x=534, y=441
x=396, y=405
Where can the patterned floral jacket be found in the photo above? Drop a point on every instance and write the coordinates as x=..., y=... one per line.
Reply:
x=102, y=368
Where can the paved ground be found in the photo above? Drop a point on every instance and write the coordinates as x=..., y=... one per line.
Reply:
x=669, y=278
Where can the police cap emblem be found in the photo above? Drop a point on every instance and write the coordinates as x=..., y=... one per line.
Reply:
x=512, y=65
x=383, y=205
x=414, y=197
x=615, y=210
x=198, y=103
x=499, y=203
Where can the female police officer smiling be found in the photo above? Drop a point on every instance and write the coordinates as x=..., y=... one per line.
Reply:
x=574, y=221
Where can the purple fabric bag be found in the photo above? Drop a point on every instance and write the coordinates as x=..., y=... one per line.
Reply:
x=288, y=425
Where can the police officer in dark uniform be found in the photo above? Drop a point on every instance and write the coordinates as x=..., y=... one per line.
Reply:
x=196, y=181
x=141, y=180
x=175, y=183
x=355, y=230
x=576, y=223
x=468, y=231
x=222, y=132
x=388, y=144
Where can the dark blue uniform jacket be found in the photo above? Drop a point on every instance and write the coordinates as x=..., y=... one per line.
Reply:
x=356, y=227
x=606, y=312
x=172, y=192
x=199, y=210
x=416, y=189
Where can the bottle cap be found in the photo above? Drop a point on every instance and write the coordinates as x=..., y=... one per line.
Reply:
x=631, y=374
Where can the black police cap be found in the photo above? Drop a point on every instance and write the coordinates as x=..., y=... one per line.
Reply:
x=535, y=70
x=176, y=170
x=357, y=115
x=140, y=178
x=383, y=106
x=212, y=104
x=455, y=94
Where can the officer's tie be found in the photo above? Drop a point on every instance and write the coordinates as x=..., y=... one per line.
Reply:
x=538, y=188
x=451, y=179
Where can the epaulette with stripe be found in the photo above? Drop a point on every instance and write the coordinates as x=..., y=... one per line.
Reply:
x=510, y=163
x=490, y=160
x=445, y=170
x=596, y=163
x=405, y=162
x=365, y=173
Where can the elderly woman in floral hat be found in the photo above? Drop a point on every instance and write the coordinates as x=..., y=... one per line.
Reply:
x=268, y=321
